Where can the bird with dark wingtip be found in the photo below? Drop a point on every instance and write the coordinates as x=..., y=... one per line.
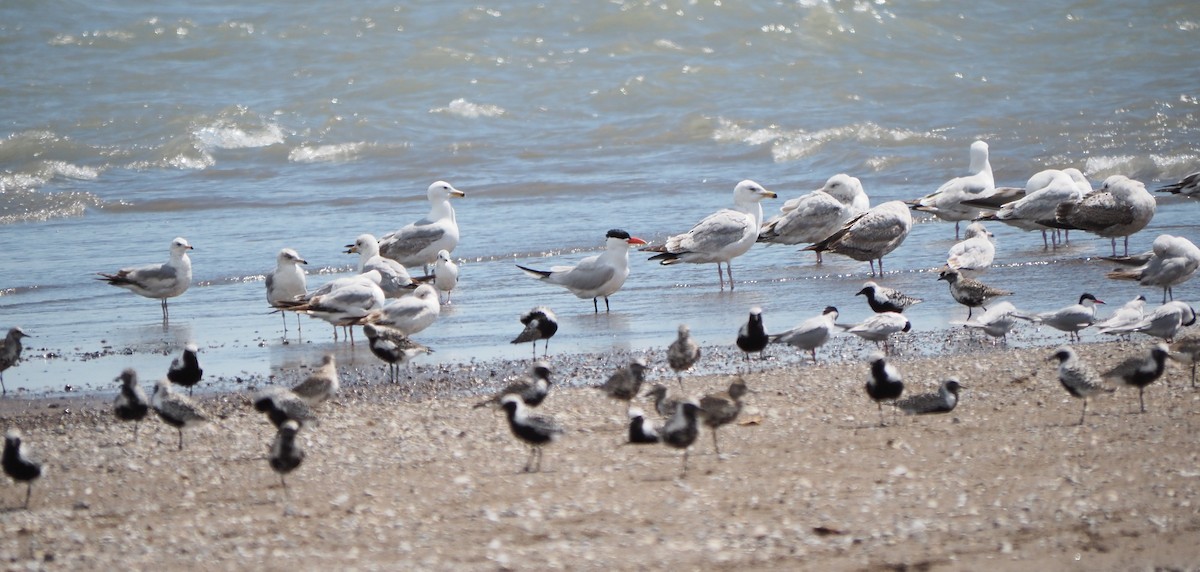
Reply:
x=392, y=347
x=595, y=277
x=885, y=383
x=883, y=299
x=943, y=401
x=281, y=406
x=681, y=430
x=540, y=324
x=1141, y=370
x=176, y=409
x=532, y=388
x=535, y=430
x=19, y=466
x=970, y=292
x=1077, y=378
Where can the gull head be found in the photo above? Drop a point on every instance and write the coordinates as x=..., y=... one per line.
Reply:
x=748, y=191
x=441, y=190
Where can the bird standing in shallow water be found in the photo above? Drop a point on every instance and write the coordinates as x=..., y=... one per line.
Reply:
x=287, y=284
x=17, y=465
x=176, y=410
x=185, y=369
x=681, y=430
x=445, y=274
x=286, y=455
x=1077, y=378
x=534, y=430
x=540, y=324
x=598, y=276
x=10, y=352
x=160, y=281
x=752, y=336
x=885, y=383
x=131, y=403
x=420, y=241
x=683, y=353
x=1141, y=371
x=722, y=408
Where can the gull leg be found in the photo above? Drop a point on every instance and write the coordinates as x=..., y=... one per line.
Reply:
x=595, y=306
x=606, y=309
x=720, y=276
x=728, y=270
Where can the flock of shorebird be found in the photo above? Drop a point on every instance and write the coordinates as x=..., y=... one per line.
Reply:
x=392, y=305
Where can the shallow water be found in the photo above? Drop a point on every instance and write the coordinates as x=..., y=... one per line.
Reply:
x=247, y=128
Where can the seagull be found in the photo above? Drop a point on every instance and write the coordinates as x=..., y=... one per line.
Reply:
x=598, y=276
x=663, y=405
x=811, y=333
x=282, y=405
x=1141, y=371
x=1044, y=192
x=176, y=410
x=1073, y=318
x=1189, y=350
x=970, y=292
x=532, y=389
x=943, y=401
x=534, y=430
x=445, y=274
x=946, y=202
x=419, y=242
x=871, y=235
x=410, y=314
x=641, y=431
x=1120, y=207
x=885, y=383
x=818, y=214
x=879, y=327
x=884, y=299
x=18, y=465
x=287, y=283
x=185, y=369
x=159, y=281
x=1164, y=322
x=1188, y=186
x=1076, y=377
x=752, y=336
x=996, y=322
x=10, y=351
x=540, y=324
x=722, y=408
x=394, y=278
x=1126, y=316
x=681, y=430
x=392, y=347
x=131, y=403
x=346, y=302
x=321, y=384
x=721, y=236
x=976, y=251
x=626, y=382
x=1173, y=261
x=683, y=353
x=285, y=454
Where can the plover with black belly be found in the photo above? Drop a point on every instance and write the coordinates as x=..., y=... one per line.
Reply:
x=285, y=454
x=885, y=383
x=321, y=384
x=1140, y=371
x=131, y=403
x=185, y=369
x=532, y=389
x=970, y=292
x=722, y=408
x=1077, y=378
x=18, y=465
x=641, y=430
x=883, y=299
x=944, y=401
x=540, y=324
x=625, y=383
x=534, y=430
x=683, y=353
x=392, y=347
x=175, y=409
x=1187, y=350
x=10, y=352
x=681, y=430
x=752, y=336
x=663, y=405
x=281, y=405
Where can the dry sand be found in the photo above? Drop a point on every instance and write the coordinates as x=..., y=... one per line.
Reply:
x=808, y=480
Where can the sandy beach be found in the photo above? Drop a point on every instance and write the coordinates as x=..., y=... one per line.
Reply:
x=411, y=477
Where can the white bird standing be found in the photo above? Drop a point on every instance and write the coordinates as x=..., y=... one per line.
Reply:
x=996, y=322
x=348, y=302
x=1173, y=261
x=975, y=252
x=394, y=278
x=160, y=281
x=871, y=235
x=818, y=214
x=445, y=274
x=597, y=276
x=880, y=327
x=811, y=333
x=1045, y=190
x=721, y=236
x=946, y=202
x=419, y=242
x=410, y=314
x=287, y=284
x=1073, y=318
x=1121, y=207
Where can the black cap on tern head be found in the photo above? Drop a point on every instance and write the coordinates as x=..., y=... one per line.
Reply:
x=618, y=233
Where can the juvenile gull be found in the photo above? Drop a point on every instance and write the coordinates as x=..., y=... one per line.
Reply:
x=10, y=352
x=880, y=327
x=392, y=347
x=445, y=274
x=683, y=353
x=534, y=430
x=885, y=383
x=19, y=466
x=287, y=283
x=282, y=405
x=131, y=403
x=394, y=279
x=160, y=281
x=722, y=408
x=975, y=252
x=1188, y=186
x=721, y=236
x=883, y=299
x=419, y=242
x=175, y=409
x=996, y=322
x=681, y=430
x=1173, y=261
x=818, y=214
x=811, y=333
x=1120, y=207
x=532, y=388
x=641, y=431
x=1077, y=378
x=1141, y=371
x=410, y=314
x=970, y=292
x=597, y=276
x=943, y=401
x=286, y=455
x=346, y=302
x=1164, y=322
x=946, y=202
x=1045, y=190
x=1128, y=315
x=540, y=324
x=321, y=384
x=185, y=369
x=752, y=336
x=663, y=405
x=871, y=235
x=625, y=383
x=1073, y=318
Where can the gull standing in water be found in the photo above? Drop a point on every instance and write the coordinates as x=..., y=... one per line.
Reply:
x=598, y=276
x=976, y=251
x=392, y=347
x=683, y=353
x=811, y=333
x=131, y=403
x=540, y=324
x=721, y=236
x=970, y=292
x=1073, y=318
x=1141, y=371
x=1172, y=261
x=160, y=281
x=394, y=278
x=818, y=214
x=1045, y=190
x=345, y=301
x=176, y=410
x=418, y=243
x=287, y=284
x=883, y=299
x=1119, y=208
x=10, y=351
x=410, y=314
x=445, y=274
x=871, y=235
x=1077, y=378
x=946, y=203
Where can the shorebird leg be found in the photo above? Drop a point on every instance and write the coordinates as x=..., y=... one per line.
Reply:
x=181, y=438
x=1193, y=372
x=1081, y=415
x=715, y=447
x=881, y=423
x=1141, y=401
x=28, y=493
x=683, y=473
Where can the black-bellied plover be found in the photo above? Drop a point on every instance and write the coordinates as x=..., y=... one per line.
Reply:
x=419, y=242
x=158, y=281
x=532, y=388
x=811, y=333
x=597, y=276
x=175, y=409
x=944, y=401
x=885, y=383
x=393, y=347
x=17, y=465
x=10, y=352
x=879, y=328
x=625, y=383
x=185, y=369
x=663, y=405
x=752, y=336
x=870, y=236
x=970, y=292
x=1189, y=349
x=287, y=284
x=1073, y=318
x=721, y=236
x=883, y=299
x=321, y=384
x=683, y=353
x=1140, y=371
x=681, y=430
x=285, y=454
x=540, y=324
x=816, y=215
x=534, y=430
x=131, y=403
x=947, y=201
x=1077, y=378
x=281, y=405
x=641, y=430
x=722, y=408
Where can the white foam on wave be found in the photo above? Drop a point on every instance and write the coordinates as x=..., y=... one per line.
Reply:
x=325, y=153
x=226, y=135
x=464, y=108
x=793, y=145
